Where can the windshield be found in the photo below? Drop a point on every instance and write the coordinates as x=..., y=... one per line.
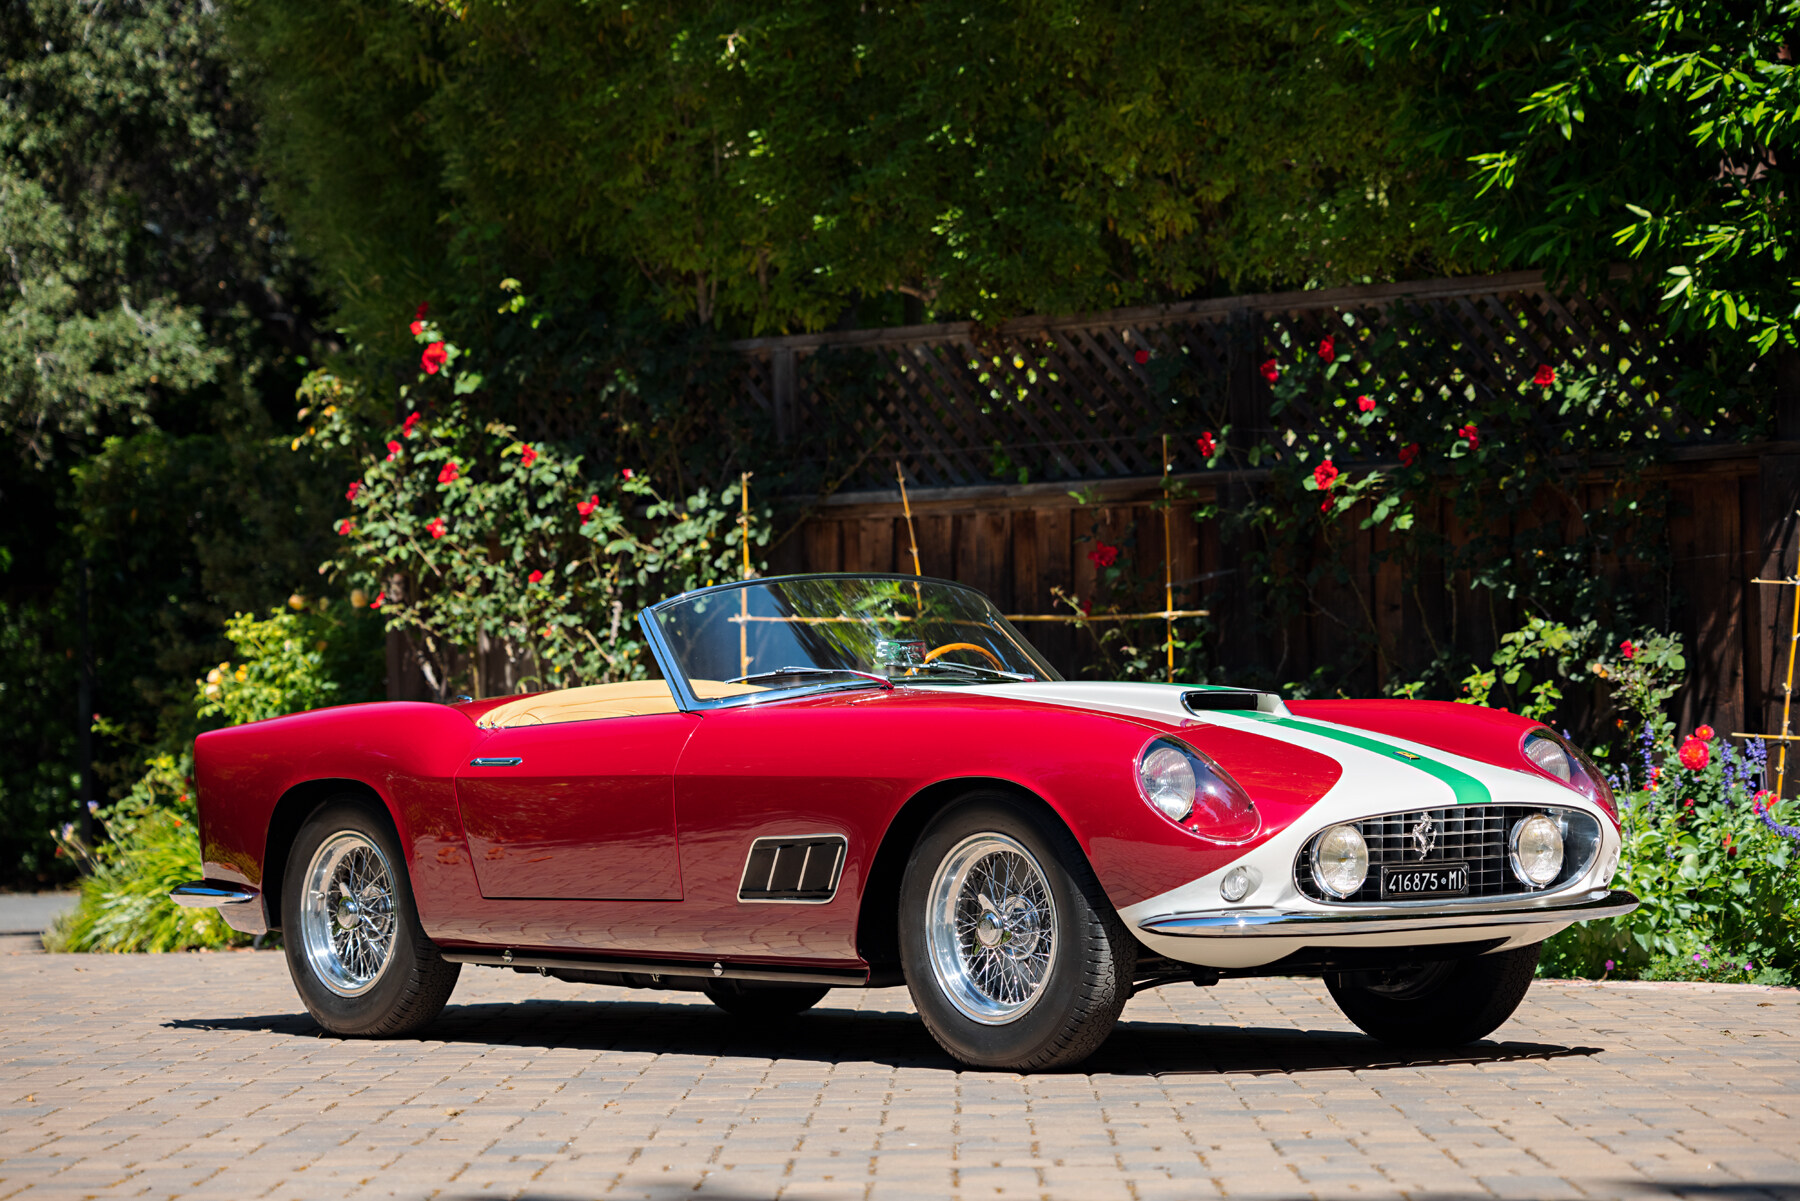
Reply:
x=808, y=632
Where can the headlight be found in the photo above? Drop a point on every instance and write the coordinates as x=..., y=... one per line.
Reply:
x=1537, y=850
x=1340, y=861
x=1188, y=788
x=1566, y=764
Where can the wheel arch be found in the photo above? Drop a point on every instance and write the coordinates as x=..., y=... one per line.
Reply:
x=878, y=915
x=290, y=813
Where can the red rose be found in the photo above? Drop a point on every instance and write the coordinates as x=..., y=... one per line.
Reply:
x=1325, y=475
x=379, y=597
x=1546, y=375
x=1087, y=607
x=1207, y=446
x=1468, y=431
x=1325, y=505
x=1327, y=350
x=355, y=487
x=419, y=313
x=584, y=507
x=1271, y=371
x=1626, y=649
x=393, y=451
x=1366, y=403
x=1704, y=733
x=449, y=473
x=527, y=457
x=1142, y=356
x=1694, y=754
x=626, y=473
x=1409, y=454
x=346, y=527
x=407, y=427
x=418, y=321
x=1103, y=555
x=534, y=577
x=417, y=328
x=433, y=358
x=436, y=527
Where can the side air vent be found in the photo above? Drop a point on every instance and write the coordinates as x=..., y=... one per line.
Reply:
x=1202, y=700
x=801, y=868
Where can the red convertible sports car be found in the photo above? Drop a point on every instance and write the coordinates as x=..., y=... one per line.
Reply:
x=848, y=781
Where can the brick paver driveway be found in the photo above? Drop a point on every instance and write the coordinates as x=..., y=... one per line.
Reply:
x=191, y=1075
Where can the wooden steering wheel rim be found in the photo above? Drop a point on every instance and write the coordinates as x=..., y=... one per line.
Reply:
x=945, y=649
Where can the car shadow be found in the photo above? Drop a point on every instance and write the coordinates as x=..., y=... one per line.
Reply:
x=1137, y=1048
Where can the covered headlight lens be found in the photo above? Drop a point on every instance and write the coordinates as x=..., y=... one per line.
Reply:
x=1537, y=850
x=1167, y=779
x=1340, y=861
x=1564, y=762
x=1187, y=787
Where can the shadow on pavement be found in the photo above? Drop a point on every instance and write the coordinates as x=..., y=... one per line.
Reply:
x=900, y=1039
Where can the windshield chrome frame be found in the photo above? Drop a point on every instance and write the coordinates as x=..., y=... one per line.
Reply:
x=688, y=702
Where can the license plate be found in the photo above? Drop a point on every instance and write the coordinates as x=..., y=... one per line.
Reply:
x=1425, y=880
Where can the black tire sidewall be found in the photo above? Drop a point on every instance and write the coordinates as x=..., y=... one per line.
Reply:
x=379, y=1010
x=1037, y=1033
x=1474, y=999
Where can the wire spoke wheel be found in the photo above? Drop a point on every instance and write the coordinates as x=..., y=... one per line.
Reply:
x=991, y=928
x=347, y=914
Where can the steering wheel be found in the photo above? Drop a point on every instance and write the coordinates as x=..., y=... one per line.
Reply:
x=939, y=651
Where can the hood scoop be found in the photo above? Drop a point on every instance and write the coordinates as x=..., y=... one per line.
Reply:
x=1240, y=700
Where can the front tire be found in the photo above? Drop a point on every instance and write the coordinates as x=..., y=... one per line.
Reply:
x=355, y=949
x=1013, y=955
x=762, y=1002
x=1442, y=1004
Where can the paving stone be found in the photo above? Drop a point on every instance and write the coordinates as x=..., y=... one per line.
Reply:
x=199, y=1077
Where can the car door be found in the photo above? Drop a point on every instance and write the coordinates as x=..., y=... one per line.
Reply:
x=580, y=810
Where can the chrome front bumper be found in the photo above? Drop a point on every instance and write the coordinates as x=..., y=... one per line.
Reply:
x=1426, y=919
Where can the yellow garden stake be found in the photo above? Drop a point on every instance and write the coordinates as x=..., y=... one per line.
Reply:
x=744, y=593
x=1787, y=688
x=906, y=507
x=744, y=520
x=1168, y=569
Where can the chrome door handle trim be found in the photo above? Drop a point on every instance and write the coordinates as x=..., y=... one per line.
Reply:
x=498, y=761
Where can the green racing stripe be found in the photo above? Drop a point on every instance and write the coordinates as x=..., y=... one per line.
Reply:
x=1468, y=790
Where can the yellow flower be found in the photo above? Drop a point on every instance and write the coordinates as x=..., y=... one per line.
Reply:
x=240, y=675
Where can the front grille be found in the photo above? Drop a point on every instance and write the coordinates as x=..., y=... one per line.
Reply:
x=1475, y=834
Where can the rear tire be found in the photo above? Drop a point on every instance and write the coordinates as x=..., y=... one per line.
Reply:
x=355, y=949
x=1442, y=1004
x=1013, y=955
x=763, y=1002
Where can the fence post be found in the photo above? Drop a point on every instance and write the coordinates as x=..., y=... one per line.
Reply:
x=781, y=361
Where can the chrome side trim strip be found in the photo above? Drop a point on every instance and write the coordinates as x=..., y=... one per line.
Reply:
x=497, y=761
x=210, y=894
x=1276, y=923
x=713, y=969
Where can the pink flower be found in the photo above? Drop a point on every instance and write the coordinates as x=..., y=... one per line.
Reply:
x=584, y=507
x=1626, y=649
x=1325, y=475
x=346, y=527
x=1704, y=733
x=1366, y=403
x=534, y=577
x=1142, y=356
x=1207, y=446
x=1546, y=375
x=1468, y=431
x=1694, y=755
x=379, y=597
x=409, y=427
x=1271, y=370
x=355, y=487
x=527, y=457
x=449, y=473
x=1103, y=555
x=433, y=358
x=1409, y=454
x=1327, y=349
x=435, y=527
x=393, y=449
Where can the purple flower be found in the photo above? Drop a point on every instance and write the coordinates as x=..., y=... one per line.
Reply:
x=1696, y=957
x=1609, y=965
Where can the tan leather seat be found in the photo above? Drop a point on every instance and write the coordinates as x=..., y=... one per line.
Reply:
x=592, y=702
